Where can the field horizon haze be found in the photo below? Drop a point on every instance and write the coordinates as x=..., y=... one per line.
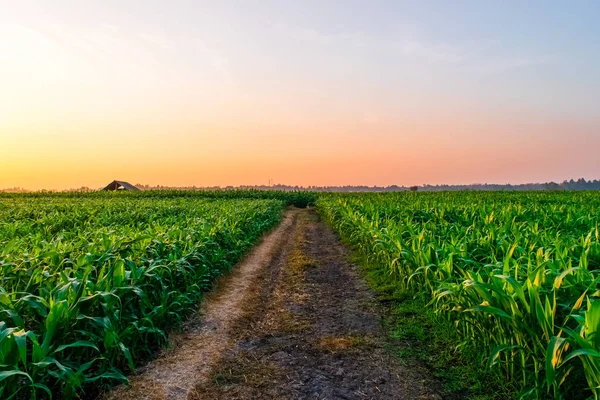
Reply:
x=571, y=184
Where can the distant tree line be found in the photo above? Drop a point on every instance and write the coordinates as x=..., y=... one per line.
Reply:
x=580, y=184
x=15, y=189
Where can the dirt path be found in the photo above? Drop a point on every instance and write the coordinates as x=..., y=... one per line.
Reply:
x=294, y=321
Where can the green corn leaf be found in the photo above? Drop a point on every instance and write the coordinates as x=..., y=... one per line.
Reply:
x=7, y=374
x=79, y=343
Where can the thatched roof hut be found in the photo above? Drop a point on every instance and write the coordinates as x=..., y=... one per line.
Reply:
x=120, y=185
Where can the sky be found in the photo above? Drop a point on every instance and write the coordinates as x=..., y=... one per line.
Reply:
x=320, y=92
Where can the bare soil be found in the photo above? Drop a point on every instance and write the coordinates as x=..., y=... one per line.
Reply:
x=293, y=321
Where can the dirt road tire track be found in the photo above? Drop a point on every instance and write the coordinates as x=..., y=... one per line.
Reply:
x=197, y=350
x=293, y=321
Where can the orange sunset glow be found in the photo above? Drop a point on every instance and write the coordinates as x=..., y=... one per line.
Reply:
x=211, y=94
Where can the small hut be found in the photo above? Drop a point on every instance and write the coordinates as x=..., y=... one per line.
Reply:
x=120, y=185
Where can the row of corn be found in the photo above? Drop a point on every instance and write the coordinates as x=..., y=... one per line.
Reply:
x=518, y=273
x=89, y=284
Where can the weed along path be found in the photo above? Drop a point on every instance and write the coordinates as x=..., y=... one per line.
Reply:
x=292, y=321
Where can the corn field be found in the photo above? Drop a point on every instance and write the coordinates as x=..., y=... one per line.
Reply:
x=298, y=198
x=89, y=284
x=518, y=273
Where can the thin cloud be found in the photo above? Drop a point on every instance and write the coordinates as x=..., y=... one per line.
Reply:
x=471, y=55
x=435, y=53
x=157, y=40
x=502, y=65
x=357, y=39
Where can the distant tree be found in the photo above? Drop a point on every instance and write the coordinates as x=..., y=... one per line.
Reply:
x=551, y=186
x=413, y=188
